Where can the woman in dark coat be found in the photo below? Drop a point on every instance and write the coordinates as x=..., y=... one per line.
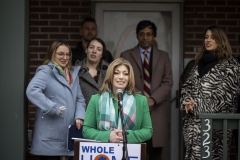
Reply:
x=93, y=68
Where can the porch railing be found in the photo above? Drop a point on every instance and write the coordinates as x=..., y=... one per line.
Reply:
x=219, y=121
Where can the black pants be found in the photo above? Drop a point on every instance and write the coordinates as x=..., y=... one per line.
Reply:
x=235, y=136
x=153, y=153
x=53, y=158
x=50, y=157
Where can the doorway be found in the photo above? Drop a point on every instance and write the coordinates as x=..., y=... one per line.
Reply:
x=116, y=26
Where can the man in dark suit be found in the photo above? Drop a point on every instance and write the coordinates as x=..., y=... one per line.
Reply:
x=88, y=31
x=153, y=78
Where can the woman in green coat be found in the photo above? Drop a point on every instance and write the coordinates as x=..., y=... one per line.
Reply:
x=102, y=121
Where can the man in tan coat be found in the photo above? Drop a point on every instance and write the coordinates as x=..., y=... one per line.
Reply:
x=156, y=87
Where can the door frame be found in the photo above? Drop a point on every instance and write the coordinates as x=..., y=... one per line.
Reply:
x=176, y=55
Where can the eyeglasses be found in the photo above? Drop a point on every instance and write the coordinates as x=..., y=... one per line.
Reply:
x=142, y=35
x=61, y=54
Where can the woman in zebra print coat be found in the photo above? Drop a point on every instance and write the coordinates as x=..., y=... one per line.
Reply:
x=212, y=87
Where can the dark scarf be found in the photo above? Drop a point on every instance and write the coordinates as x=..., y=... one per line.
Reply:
x=206, y=63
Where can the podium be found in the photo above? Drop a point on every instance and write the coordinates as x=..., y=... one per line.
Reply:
x=77, y=144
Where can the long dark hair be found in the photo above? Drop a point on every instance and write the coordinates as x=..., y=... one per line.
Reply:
x=223, y=51
x=104, y=52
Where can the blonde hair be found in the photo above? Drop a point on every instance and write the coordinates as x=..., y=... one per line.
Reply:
x=223, y=51
x=52, y=51
x=107, y=83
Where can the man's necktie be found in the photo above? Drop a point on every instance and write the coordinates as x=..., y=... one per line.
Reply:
x=147, y=92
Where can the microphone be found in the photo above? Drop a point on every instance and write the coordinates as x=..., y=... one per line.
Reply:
x=119, y=93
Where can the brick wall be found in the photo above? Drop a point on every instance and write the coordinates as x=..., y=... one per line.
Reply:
x=199, y=14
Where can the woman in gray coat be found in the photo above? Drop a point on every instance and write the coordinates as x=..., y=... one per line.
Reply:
x=93, y=68
x=55, y=92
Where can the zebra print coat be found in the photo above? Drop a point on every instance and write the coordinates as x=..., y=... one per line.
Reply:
x=215, y=92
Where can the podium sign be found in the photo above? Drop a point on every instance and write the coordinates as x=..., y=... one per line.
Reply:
x=107, y=151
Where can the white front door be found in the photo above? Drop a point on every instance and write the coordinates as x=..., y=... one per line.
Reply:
x=117, y=27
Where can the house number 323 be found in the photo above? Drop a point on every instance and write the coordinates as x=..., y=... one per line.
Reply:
x=206, y=141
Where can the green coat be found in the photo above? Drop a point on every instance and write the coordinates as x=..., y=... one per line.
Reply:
x=143, y=129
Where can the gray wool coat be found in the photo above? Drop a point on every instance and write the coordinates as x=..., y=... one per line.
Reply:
x=48, y=90
x=88, y=85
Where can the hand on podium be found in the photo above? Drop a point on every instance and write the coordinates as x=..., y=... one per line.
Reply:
x=116, y=136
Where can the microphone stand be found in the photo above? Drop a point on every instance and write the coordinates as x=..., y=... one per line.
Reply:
x=124, y=133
